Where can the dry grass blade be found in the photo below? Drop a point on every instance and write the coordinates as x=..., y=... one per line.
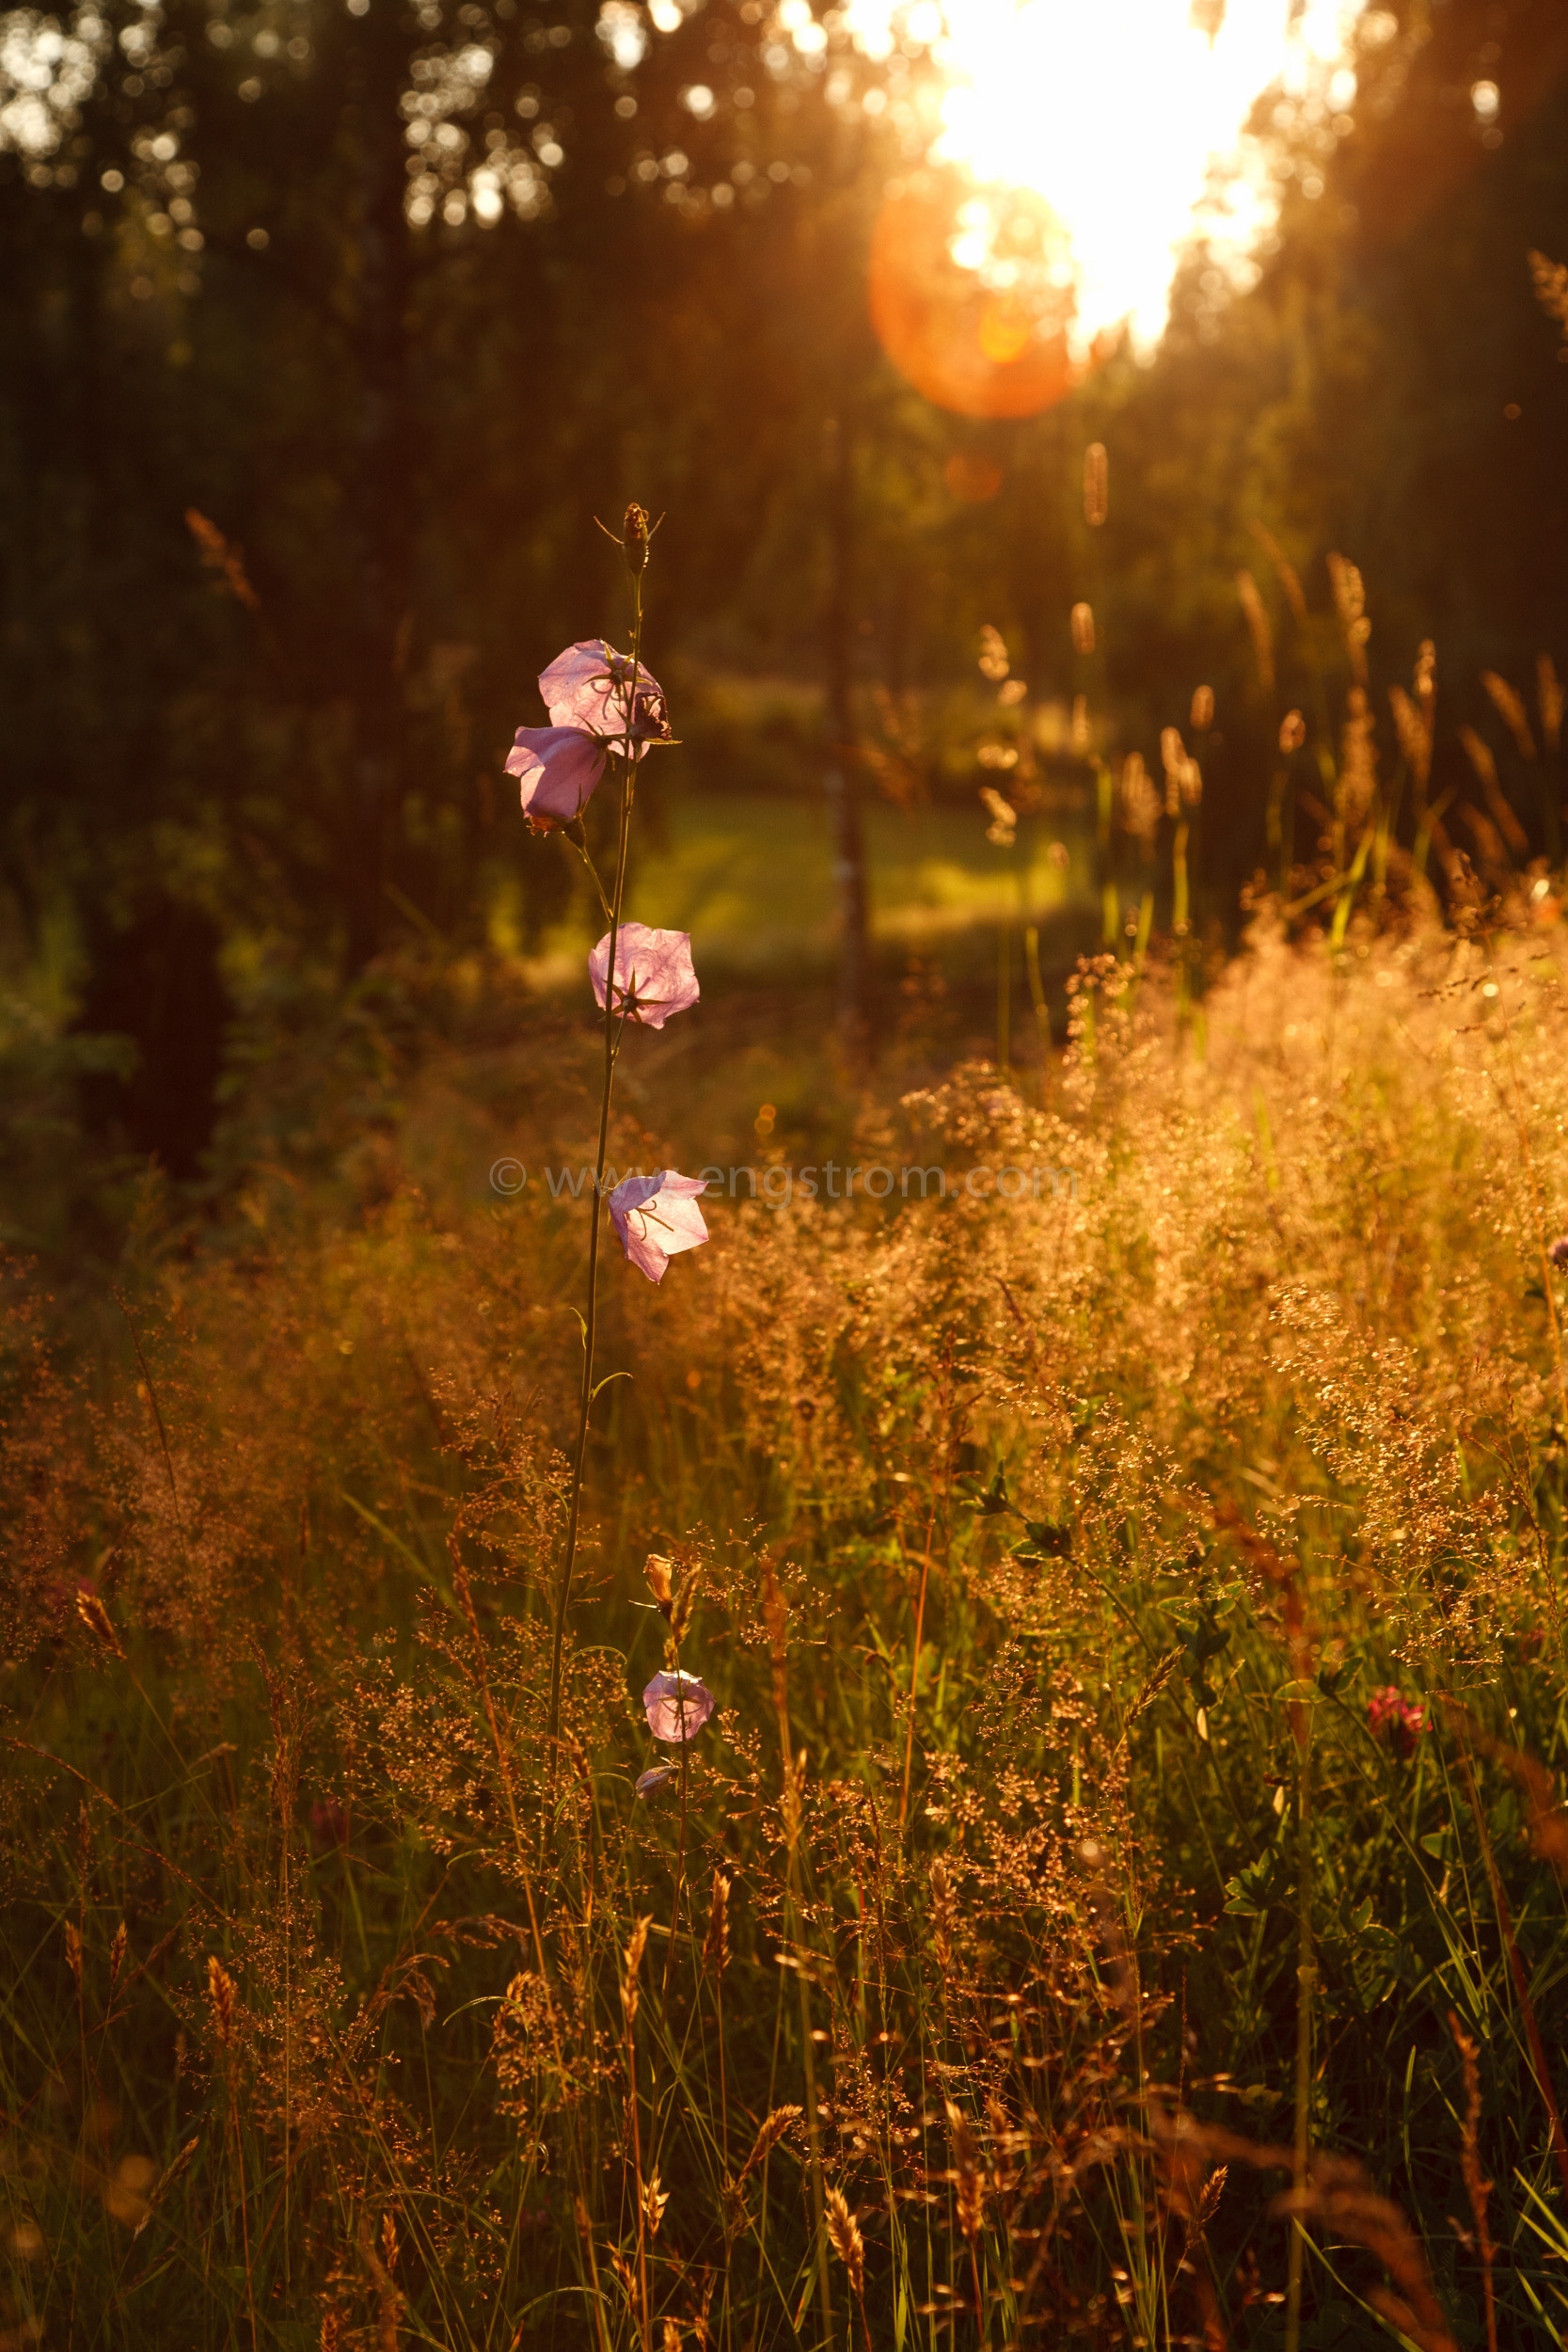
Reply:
x=165, y=2180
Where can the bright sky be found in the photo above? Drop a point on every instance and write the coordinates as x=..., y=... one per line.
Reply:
x=1119, y=113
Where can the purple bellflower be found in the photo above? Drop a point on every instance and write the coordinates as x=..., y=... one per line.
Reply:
x=656, y=1217
x=586, y=689
x=678, y=1706
x=654, y=973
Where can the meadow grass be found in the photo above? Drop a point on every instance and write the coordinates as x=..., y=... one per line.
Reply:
x=1123, y=1877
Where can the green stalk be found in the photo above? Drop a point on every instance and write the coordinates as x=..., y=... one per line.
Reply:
x=611, y=1041
x=1277, y=857
x=1179, y=920
x=1305, y=1973
x=1042, y=1010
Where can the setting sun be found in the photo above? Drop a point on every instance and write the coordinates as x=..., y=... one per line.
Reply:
x=1129, y=119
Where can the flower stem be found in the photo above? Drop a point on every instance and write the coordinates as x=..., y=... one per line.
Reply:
x=611, y=1043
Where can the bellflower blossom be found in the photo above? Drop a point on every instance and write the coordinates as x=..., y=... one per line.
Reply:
x=678, y=1706
x=585, y=690
x=654, y=973
x=657, y=1216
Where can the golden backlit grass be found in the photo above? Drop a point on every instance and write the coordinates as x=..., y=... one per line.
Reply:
x=1044, y=1557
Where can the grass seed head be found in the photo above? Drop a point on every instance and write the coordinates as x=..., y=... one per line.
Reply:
x=98, y=1621
x=715, y=1943
x=849, y=2245
x=966, y=2163
x=220, y=1991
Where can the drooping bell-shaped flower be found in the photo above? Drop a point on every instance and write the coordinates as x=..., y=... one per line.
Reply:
x=589, y=694
x=657, y=1216
x=588, y=687
x=678, y=1704
x=654, y=973
x=558, y=768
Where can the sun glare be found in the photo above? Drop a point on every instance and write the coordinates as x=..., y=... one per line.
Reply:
x=1128, y=119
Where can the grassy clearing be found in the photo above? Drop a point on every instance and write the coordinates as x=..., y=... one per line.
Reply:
x=1116, y=1605
x=752, y=878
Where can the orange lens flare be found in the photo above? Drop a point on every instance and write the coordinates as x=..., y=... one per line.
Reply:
x=977, y=323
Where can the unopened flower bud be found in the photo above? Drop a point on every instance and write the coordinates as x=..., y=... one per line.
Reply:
x=658, y=1572
x=634, y=539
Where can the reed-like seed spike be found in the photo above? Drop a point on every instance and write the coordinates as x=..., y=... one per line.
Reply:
x=1083, y=628
x=1548, y=696
x=1097, y=485
x=1350, y=602
x=1509, y=704
x=1256, y=617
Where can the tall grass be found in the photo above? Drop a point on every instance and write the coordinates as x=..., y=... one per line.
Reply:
x=1125, y=1866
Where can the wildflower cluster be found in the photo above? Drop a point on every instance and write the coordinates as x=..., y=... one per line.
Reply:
x=606, y=704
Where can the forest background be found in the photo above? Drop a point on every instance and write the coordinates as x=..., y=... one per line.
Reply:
x=325, y=335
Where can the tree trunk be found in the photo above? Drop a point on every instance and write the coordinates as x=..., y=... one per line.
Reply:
x=378, y=268
x=840, y=779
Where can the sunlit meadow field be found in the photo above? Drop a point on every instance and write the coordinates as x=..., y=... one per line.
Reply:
x=1127, y=1847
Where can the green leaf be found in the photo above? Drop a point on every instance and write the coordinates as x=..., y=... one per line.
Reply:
x=1044, y=1539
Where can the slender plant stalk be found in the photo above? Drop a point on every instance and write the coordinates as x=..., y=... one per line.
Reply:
x=680, y=1849
x=611, y=1046
x=914, y=1663
x=1037, y=997
x=1110, y=900
x=1306, y=1972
